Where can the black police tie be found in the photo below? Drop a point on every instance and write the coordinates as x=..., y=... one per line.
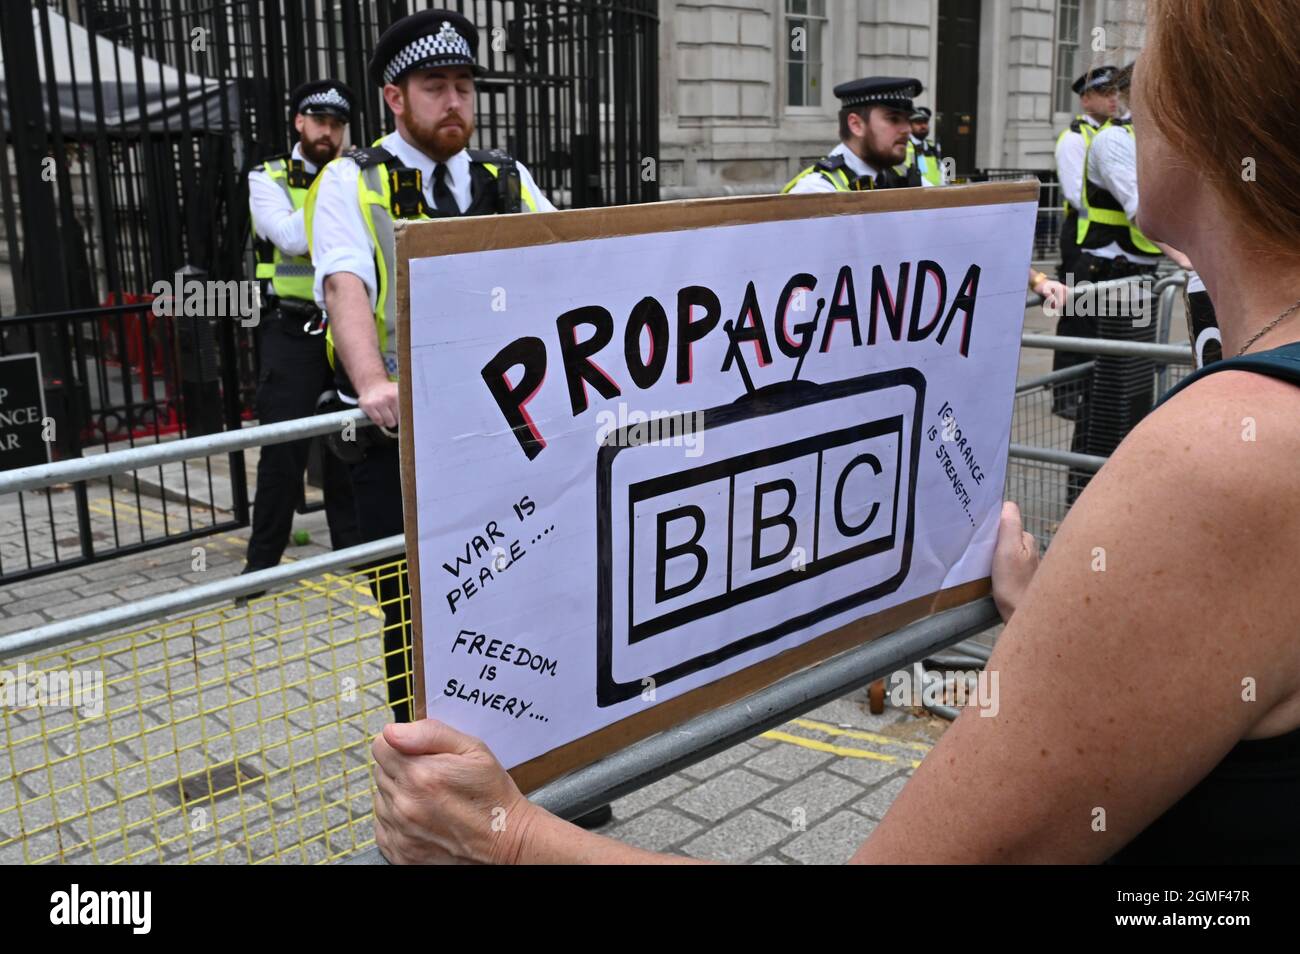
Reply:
x=442, y=196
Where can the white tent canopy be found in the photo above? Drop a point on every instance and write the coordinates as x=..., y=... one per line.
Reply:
x=135, y=94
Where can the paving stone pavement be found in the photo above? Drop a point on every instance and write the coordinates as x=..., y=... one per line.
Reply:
x=807, y=792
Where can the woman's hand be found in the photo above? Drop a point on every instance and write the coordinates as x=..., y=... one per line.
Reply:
x=442, y=797
x=1015, y=558
x=1055, y=294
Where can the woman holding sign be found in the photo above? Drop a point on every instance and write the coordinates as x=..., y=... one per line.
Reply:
x=1150, y=671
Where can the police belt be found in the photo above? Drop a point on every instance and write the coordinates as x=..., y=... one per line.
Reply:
x=296, y=316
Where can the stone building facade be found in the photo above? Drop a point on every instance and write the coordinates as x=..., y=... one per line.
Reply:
x=745, y=85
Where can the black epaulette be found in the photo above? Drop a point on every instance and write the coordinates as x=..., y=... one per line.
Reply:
x=830, y=163
x=367, y=156
x=295, y=174
x=496, y=157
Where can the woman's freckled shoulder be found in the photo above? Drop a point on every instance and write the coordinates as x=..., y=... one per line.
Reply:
x=1231, y=408
x=1231, y=437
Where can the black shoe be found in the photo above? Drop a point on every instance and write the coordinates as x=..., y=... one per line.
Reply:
x=595, y=818
x=243, y=599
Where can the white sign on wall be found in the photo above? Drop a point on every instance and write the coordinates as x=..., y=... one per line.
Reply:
x=645, y=462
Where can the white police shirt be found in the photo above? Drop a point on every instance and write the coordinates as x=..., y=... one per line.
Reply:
x=919, y=143
x=1069, y=163
x=274, y=217
x=1112, y=165
x=340, y=240
x=856, y=165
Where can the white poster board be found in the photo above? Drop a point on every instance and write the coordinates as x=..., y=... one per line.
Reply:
x=615, y=504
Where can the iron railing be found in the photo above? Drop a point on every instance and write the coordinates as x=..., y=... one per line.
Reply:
x=127, y=131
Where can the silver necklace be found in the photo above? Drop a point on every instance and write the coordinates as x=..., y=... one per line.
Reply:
x=1269, y=327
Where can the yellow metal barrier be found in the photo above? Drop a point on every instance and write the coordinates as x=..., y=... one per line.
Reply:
x=240, y=734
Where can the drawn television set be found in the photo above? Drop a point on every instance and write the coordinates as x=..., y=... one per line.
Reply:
x=701, y=558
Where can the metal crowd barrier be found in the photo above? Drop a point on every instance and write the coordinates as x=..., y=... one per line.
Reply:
x=241, y=733
x=187, y=728
x=235, y=734
x=1040, y=458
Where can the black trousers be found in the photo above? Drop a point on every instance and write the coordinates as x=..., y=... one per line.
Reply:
x=294, y=372
x=1118, y=393
x=377, y=486
x=1063, y=398
x=1067, y=270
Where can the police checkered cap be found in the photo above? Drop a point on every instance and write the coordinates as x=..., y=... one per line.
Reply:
x=1100, y=77
x=424, y=40
x=330, y=97
x=896, y=91
x=325, y=96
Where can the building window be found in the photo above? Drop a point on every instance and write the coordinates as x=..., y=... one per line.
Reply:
x=1067, y=54
x=804, y=23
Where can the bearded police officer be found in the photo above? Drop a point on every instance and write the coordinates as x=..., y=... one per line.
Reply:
x=922, y=151
x=426, y=65
x=291, y=342
x=875, y=125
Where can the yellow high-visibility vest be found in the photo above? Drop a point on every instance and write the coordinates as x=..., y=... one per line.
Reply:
x=291, y=276
x=1102, y=219
x=382, y=200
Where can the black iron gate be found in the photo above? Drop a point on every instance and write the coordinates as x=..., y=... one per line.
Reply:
x=128, y=132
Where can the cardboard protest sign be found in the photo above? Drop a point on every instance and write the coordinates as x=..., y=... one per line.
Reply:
x=657, y=457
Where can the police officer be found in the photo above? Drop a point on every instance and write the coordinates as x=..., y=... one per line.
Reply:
x=922, y=151
x=426, y=65
x=875, y=125
x=1097, y=98
x=291, y=341
x=1111, y=246
x=1110, y=243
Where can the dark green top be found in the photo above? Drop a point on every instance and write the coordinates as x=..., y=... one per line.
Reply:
x=1280, y=362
